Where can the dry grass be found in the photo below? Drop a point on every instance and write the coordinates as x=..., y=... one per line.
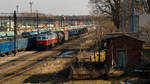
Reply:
x=146, y=47
x=55, y=66
x=88, y=82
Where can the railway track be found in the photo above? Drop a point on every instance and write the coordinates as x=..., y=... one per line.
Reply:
x=24, y=69
x=20, y=65
x=21, y=58
x=8, y=70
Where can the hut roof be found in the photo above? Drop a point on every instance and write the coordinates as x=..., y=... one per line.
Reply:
x=119, y=35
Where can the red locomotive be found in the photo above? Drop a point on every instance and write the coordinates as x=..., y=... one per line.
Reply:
x=46, y=40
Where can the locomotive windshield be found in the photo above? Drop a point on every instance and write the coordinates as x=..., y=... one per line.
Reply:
x=39, y=38
x=43, y=38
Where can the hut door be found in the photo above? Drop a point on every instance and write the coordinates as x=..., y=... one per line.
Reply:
x=121, y=58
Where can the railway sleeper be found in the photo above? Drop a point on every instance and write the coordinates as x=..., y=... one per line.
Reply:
x=2, y=54
x=23, y=49
x=16, y=51
x=47, y=47
x=19, y=50
x=54, y=44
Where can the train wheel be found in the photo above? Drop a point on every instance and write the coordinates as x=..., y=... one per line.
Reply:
x=55, y=44
x=38, y=48
x=16, y=51
x=50, y=46
x=10, y=52
x=47, y=47
x=3, y=54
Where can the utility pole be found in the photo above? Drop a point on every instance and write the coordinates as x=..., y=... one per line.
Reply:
x=1, y=22
x=30, y=3
x=37, y=18
x=61, y=21
x=132, y=18
x=15, y=33
x=9, y=22
x=124, y=16
x=17, y=8
x=64, y=19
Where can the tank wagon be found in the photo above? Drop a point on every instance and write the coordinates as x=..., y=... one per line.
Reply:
x=66, y=37
x=61, y=36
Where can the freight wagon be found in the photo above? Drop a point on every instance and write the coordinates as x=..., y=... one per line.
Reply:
x=73, y=34
x=43, y=31
x=31, y=36
x=7, y=34
x=10, y=34
x=2, y=34
x=83, y=30
x=31, y=40
x=7, y=47
x=43, y=38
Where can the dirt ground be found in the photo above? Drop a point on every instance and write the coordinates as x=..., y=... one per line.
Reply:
x=12, y=57
x=50, y=71
x=59, y=70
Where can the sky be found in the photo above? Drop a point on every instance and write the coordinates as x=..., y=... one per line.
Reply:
x=55, y=7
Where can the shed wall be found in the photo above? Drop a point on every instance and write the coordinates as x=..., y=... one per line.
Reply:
x=133, y=47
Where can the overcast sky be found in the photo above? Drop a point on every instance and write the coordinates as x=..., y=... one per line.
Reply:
x=56, y=7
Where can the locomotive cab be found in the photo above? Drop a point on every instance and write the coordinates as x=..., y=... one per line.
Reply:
x=46, y=40
x=42, y=41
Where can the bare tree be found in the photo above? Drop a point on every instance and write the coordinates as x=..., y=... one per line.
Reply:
x=146, y=31
x=104, y=25
x=148, y=2
x=110, y=7
x=113, y=8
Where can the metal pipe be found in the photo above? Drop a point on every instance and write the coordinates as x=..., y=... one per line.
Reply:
x=123, y=15
x=132, y=18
